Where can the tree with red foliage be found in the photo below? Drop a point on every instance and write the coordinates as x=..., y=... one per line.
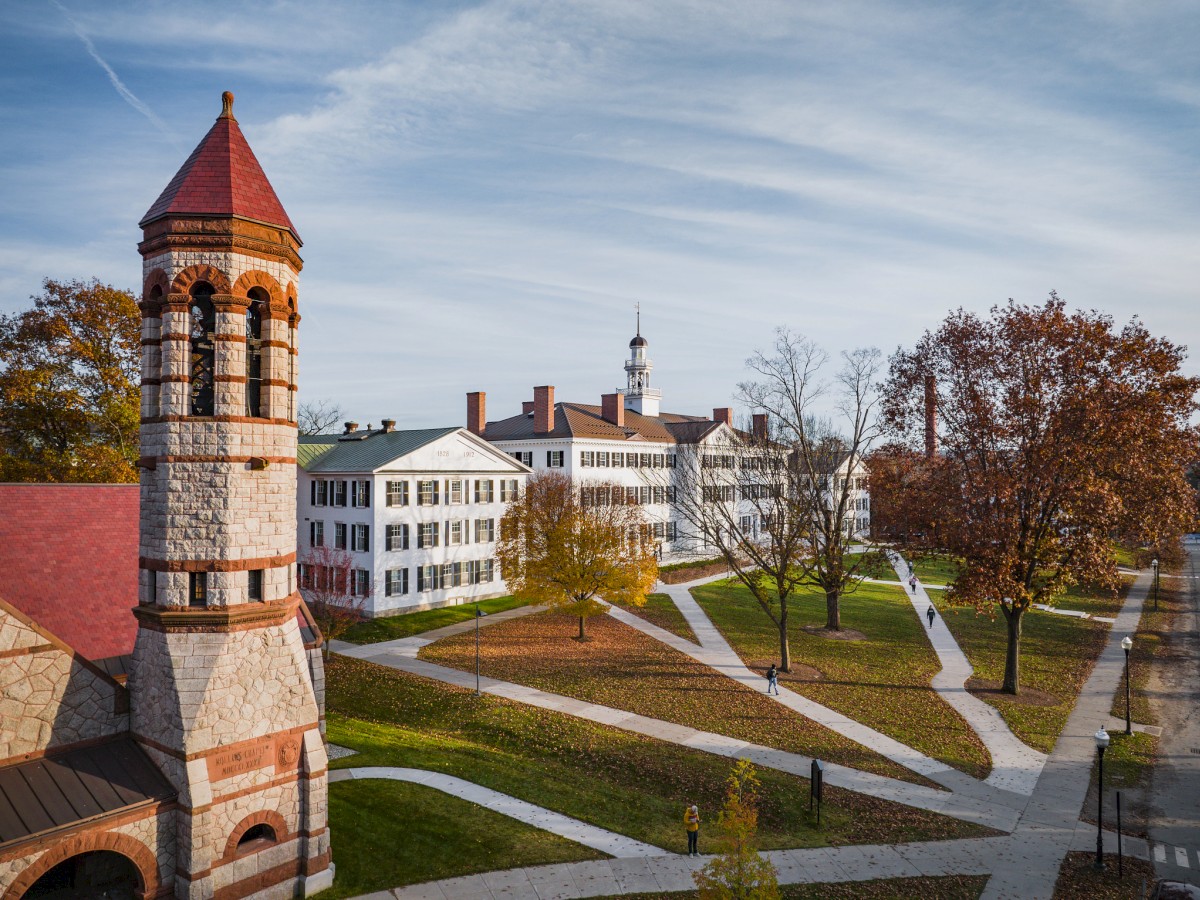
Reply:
x=1058, y=434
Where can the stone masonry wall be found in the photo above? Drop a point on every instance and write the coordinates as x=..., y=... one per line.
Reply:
x=48, y=697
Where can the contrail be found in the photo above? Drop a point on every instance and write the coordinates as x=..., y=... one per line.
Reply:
x=125, y=92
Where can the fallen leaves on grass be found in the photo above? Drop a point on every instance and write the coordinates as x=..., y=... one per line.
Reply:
x=625, y=669
x=661, y=610
x=1078, y=879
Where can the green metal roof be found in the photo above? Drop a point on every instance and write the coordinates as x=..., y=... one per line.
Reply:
x=327, y=453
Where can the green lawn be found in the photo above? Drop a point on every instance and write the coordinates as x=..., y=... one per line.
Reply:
x=391, y=833
x=388, y=628
x=1094, y=601
x=945, y=887
x=1057, y=654
x=621, y=668
x=882, y=681
x=936, y=569
x=660, y=610
x=611, y=778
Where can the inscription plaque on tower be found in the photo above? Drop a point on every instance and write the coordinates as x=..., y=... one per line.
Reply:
x=239, y=760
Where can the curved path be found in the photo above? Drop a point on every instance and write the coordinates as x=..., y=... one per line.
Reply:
x=1015, y=766
x=613, y=844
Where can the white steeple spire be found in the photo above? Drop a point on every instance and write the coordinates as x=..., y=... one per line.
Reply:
x=639, y=396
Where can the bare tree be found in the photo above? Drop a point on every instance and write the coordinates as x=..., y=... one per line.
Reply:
x=779, y=502
x=334, y=591
x=319, y=416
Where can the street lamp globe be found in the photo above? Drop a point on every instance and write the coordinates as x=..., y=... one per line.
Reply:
x=1101, y=739
x=1127, y=643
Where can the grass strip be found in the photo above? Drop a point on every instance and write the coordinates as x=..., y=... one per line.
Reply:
x=622, y=668
x=881, y=680
x=1079, y=880
x=614, y=779
x=661, y=610
x=945, y=887
x=389, y=628
x=391, y=833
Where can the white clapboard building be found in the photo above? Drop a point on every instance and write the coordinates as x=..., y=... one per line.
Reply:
x=418, y=512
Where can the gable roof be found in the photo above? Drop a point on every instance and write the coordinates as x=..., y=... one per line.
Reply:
x=222, y=177
x=362, y=451
x=69, y=561
x=582, y=420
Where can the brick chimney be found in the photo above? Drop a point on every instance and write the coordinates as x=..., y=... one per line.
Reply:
x=612, y=409
x=760, y=427
x=526, y=407
x=477, y=412
x=543, y=409
x=723, y=414
x=351, y=427
x=930, y=417
x=388, y=425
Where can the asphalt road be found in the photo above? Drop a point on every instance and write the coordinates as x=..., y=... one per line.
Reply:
x=1175, y=789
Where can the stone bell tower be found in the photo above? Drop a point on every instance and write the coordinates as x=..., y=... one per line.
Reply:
x=220, y=690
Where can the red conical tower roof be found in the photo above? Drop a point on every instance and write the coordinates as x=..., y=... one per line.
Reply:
x=222, y=177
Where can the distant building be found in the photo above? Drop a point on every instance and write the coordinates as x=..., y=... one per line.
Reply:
x=418, y=513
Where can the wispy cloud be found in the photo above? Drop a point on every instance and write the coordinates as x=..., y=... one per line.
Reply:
x=128, y=95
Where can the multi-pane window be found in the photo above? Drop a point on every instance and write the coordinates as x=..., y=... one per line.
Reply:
x=523, y=456
x=660, y=495
x=316, y=534
x=485, y=531
x=454, y=491
x=602, y=459
x=339, y=535
x=454, y=533
x=395, y=582
x=427, y=535
x=508, y=489
x=554, y=459
x=659, y=530
x=644, y=495
x=427, y=493
x=670, y=495
x=487, y=570
x=587, y=458
x=396, y=537
x=672, y=530
x=397, y=493
x=197, y=588
x=319, y=493
x=337, y=493
x=483, y=490
x=429, y=578
x=362, y=494
x=671, y=460
x=254, y=585
x=631, y=495
x=360, y=583
x=618, y=460
x=360, y=538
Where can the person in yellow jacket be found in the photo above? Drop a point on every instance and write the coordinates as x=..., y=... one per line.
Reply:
x=691, y=820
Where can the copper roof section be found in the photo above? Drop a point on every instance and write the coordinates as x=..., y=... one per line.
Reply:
x=78, y=785
x=222, y=177
x=581, y=420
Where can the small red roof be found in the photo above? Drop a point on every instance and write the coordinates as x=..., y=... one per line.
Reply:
x=222, y=177
x=69, y=561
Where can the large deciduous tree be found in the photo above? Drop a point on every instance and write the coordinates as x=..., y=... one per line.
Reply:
x=69, y=385
x=319, y=416
x=556, y=549
x=336, y=596
x=778, y=501
x=1058, y=433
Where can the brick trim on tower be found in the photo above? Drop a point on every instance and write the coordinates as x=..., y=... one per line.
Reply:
x=183, y=282
x=144, y=861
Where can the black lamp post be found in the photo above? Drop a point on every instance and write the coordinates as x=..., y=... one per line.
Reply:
x=479, y=614
x=1101, y=745
x=1154, y=562
x=1126, y=645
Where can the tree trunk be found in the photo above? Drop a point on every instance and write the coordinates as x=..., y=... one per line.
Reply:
x=582, y=631
x=1012, y=656
x=833, y=610
x=785, y=652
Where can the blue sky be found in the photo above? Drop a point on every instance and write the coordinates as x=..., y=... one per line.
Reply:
x=484, y=190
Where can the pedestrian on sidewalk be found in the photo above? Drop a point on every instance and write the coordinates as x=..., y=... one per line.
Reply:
x=691, y=820
x=931, y=614
x=912, y=583
x=773, y=679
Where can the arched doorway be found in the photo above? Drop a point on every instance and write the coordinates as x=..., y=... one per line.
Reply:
x=95, y=875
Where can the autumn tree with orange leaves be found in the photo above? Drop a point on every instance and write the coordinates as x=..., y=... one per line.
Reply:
x=1058, y=433
x=556, y=549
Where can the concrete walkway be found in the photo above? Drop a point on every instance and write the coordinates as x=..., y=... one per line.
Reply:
x=1015, y=766
x=613, y=844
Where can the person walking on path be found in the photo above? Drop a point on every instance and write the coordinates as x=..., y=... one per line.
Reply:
x=691, y=819
x=931, y=614
x=912, y=584
x=773, y=679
